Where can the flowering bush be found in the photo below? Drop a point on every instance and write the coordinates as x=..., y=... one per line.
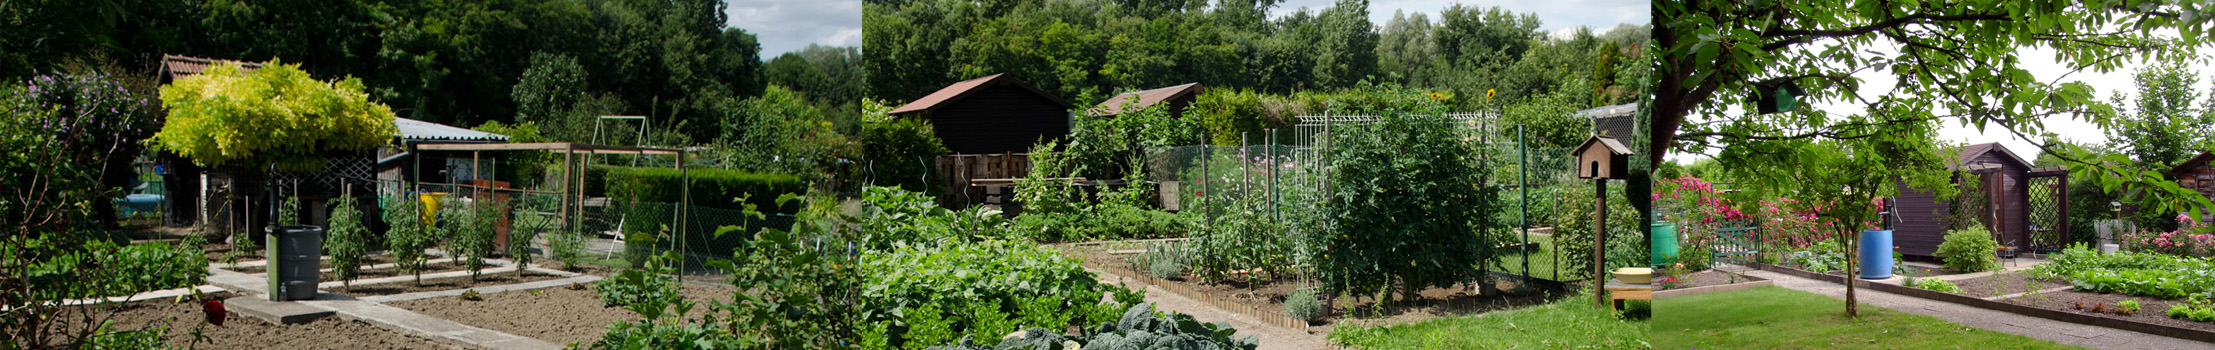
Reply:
x=2182, y=241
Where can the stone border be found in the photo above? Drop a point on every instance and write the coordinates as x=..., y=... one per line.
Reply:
x=1672, y=293
x=2057, y=315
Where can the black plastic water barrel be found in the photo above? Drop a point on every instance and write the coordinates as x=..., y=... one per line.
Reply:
x=298, y=258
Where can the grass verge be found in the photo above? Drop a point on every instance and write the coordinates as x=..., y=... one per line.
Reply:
x=1570, y=323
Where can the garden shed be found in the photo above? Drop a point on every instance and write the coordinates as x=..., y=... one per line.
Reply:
x=993, y=114
x=196, y=195
x=2197, y=174
x=2022, y=205
x=1175, y=98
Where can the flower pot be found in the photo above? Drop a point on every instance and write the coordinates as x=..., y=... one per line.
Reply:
x=1634, y=275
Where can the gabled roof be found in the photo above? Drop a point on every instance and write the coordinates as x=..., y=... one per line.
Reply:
x=1116, y=105
x=2195, y=162
x=417, y=130
x=174, y=66
x=963, y=89
x=1969, y=152
x=1609, y=142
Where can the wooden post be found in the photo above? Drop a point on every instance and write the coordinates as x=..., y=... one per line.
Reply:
x=1599, y=242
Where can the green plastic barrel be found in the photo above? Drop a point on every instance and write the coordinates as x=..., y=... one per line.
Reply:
x=1664, y=239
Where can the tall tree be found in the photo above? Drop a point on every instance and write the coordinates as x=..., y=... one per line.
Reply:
x=1954, y=63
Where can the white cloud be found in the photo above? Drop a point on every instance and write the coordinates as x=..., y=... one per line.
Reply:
x=790, y=25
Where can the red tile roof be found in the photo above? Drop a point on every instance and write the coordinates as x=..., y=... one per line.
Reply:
x=174, y=66
x=962, y=89
x=1122, y=102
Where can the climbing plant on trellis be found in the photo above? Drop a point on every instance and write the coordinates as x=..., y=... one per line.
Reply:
x=1972, y=206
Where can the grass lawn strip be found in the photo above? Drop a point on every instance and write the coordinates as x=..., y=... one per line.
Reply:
x=1779, y=318
x=1567, y=323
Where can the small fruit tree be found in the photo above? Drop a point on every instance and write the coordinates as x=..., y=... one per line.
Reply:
x=273, y=118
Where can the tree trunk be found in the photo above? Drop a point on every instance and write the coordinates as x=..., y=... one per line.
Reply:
x=1852, y=253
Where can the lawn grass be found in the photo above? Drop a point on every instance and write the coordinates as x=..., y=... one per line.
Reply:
x=1779, y=318
x=1542, y=261
x=1570, y=323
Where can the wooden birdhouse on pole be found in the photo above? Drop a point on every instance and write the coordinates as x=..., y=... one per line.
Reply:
x=1601, y=158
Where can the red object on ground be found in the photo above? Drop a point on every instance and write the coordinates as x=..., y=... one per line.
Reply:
x=214, y=309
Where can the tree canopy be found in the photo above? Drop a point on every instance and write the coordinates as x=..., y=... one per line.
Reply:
x=1955, y=63
x=273, y=116
x=1088, y=50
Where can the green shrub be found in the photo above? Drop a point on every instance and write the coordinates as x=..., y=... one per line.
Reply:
x=1935, y=285
x=645, y=290
x=713, y=188
x=144, y=267
x=1161, y=260
x=407, y=235
x=348, y=242
x=1969, y=250
x=1408, y=197
x=1626, y=241
x=902, y=152
x=1304, y=304
x=1001, y=275
x=649, y=194
x=475, y=230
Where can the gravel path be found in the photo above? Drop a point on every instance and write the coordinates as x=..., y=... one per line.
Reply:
x=1271, y=337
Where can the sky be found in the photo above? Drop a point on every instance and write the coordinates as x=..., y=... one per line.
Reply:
x=1556, y=16
x=790, y=25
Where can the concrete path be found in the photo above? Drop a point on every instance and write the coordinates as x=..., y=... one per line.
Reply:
x=402, y=320
x=1272, y=337
x=2057, y=331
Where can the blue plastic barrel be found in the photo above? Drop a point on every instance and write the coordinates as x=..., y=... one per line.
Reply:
x=1876, y=254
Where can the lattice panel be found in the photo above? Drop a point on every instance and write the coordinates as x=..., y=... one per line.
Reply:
x=2045, y=213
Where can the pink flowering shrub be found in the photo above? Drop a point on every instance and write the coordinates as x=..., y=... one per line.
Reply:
x=2182, y=241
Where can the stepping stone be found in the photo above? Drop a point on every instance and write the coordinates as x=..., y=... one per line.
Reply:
x=278, y=312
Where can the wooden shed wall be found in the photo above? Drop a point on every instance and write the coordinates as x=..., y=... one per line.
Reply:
x=999, y=119
x=1921, y=224
x=2200, y=178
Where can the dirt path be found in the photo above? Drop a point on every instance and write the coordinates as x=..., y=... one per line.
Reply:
x=1271, y=337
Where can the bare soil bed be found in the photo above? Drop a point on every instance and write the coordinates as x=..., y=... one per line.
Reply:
x=1269, y=294
x=558, y=315
x=1711, y=278
x=2151, y=310
x=243, y=332
x=2004, y=284
x=448, y=283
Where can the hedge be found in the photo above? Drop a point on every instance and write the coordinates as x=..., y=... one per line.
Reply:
x=713, y=188
x=649, y=193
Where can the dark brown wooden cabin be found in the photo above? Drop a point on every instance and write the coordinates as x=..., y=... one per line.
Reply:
x=2005, y=208
x=1175, y=98
x=993, y=114
x=2197, y=174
